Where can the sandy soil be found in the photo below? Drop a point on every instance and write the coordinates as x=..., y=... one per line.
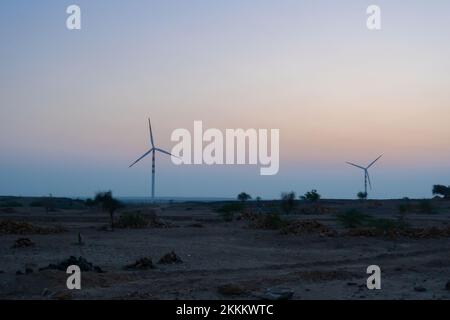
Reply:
x=217, y=253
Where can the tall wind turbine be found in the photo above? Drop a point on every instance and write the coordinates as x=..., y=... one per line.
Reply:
x=152, y=150
x=366, y=172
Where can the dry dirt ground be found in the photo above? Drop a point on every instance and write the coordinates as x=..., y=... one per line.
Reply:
x=216, y=253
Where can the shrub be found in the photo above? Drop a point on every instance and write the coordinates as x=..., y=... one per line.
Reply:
x=108, y=204
x=10, y=204
x=425, y=206
x=270, y=221
x=227, y=216
x=231, y=207
x=90, y=203
x=386, y=225
x=352, y=218
x=441, y=191
x=244, y=197
x=312, y=196
x=404, y=208
x=37, y=204
x=132, y=221
x=362, y=195
x=287, y=201
x=228, y=210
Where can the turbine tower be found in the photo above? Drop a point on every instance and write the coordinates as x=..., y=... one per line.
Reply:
x=366, y=172
x=152, y=150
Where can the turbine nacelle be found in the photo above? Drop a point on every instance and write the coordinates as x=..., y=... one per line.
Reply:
x=366, y=172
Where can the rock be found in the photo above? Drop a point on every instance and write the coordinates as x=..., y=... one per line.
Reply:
x=231, y=290
x=28, y=270
x=81, y=262
x=141, y=264
x=80, y=239
x=170, y=258
x=19, y=272
x=447, y=286
x=420, y=289
x=278, y=294
x=23, y=243
x=46, y=292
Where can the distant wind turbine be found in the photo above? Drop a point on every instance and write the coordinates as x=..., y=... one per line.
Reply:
x=366, y=172
x=152, y=150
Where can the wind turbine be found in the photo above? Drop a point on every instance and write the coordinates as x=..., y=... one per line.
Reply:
x=366, y=172
x=152, y=150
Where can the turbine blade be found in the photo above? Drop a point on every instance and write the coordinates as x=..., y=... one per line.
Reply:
x=373, y=162
x=166, y=152
x=368, y=178
x=355, y=165
x=145, y=154
x=151, y=133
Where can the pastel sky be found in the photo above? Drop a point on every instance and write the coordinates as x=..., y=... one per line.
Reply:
x=74, y=104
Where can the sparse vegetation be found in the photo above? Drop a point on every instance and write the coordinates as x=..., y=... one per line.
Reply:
x=269, y=221
x=404, y=208
x=385, y=225
x=227, y=211
x=312, y=196
x=352, y=218
x=130, y=220
x=287, y=201
x=10, y=204
x=425, y=206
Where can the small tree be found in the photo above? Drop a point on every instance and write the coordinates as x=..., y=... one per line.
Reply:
x=362, y=195
x=288, y=201
x=244, y=196
x=312, y=196
x=441, y=191
x=108, y=203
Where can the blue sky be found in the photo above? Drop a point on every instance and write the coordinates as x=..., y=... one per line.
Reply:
x=73, y=104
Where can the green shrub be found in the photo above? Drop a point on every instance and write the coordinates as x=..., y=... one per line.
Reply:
x=404, y=208
x=386, y=225
x=312, y=196
x=132, y=221
x=10, y=204
x=362, y=195
x=270, y=221
x=352, y=218
x=425, y=206
x=227, y=211
x=227, y=216
x=37, y=204
x=244, y=197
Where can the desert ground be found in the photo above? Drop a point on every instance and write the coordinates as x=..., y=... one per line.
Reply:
x=311, y=255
